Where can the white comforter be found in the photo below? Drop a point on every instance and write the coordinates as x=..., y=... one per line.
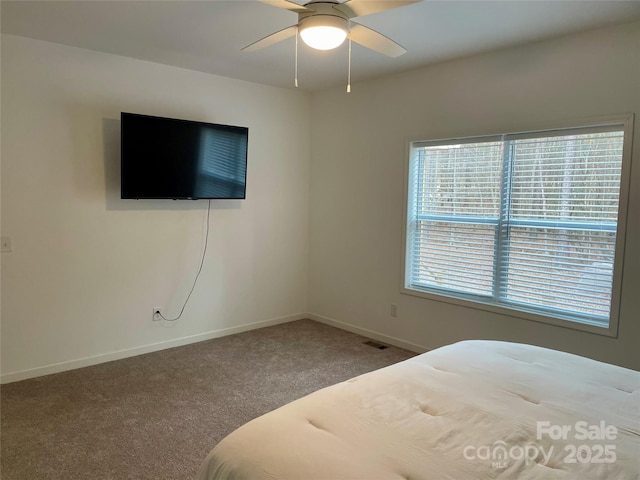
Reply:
x=472, y=410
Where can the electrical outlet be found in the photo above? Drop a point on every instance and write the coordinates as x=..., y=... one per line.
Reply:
x=393, y=310
x=157, y=316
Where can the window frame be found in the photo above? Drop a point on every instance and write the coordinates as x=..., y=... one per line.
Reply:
x=626, y=122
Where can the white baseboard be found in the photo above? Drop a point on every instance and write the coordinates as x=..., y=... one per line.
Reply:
x=132, y=352
x=413, y=347
x=154, y=347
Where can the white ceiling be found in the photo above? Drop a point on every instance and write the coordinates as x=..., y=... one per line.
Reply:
x=208, y=35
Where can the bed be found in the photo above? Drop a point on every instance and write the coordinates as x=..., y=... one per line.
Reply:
x=471, y=410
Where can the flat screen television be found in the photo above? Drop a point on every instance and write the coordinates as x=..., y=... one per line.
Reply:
x=167, y=158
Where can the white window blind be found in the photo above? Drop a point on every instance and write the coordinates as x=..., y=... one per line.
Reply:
x=524, y=221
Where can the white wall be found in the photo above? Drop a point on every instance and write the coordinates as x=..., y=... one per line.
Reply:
x=357, y=170
x=87, y=267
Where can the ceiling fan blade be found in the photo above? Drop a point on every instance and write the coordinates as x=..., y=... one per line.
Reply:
x=287, y=5
x=359, y=8
x=375, y=41
x=272, y=39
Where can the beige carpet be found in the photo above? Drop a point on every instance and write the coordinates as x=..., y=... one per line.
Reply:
x=156, y=416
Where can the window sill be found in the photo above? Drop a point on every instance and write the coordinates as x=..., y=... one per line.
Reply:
x=609, y=331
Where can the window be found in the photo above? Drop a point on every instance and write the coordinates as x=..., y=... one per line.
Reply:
x=531, y=222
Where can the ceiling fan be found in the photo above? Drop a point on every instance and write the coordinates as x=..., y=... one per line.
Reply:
x=325, y=24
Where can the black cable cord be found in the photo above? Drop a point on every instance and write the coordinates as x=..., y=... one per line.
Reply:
x=204, y=252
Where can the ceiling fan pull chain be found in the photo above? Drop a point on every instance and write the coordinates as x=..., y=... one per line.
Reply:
x=295, y=80
x=349, y=74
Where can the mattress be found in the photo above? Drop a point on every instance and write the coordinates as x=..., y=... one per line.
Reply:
x=471, y=410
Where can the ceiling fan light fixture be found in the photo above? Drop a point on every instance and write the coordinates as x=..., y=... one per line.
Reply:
x=323, y=32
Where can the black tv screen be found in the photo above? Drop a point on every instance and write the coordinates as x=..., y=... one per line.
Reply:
x=182, y=159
